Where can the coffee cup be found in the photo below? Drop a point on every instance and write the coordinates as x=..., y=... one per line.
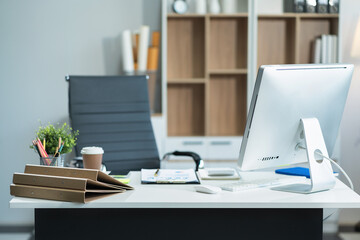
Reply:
x=92, y=157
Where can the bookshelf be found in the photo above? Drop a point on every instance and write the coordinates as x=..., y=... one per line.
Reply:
x=210, y=63
x=206, y=71
x=288, y=38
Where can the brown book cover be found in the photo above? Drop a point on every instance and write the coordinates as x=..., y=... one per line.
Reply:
x=65, y=184
x=94, y=175
x=67, y=195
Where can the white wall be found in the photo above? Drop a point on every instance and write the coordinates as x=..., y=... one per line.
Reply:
x=350, y=129
x=41, y=41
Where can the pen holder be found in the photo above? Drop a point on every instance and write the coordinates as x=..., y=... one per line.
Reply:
x=52, y=161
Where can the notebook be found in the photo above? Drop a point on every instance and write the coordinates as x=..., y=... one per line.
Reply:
x=166, y=176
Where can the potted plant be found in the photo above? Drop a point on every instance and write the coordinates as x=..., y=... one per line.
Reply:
x=53, y=142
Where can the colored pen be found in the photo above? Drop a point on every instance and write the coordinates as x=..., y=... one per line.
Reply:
x=36, y=148
x=62, y=145
x=156, y=173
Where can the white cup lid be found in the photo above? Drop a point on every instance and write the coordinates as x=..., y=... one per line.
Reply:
x=92, y=150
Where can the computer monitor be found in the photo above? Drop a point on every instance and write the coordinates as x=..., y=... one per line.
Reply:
x=287, y=102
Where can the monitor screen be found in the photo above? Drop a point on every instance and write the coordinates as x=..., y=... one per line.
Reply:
x=283, y=95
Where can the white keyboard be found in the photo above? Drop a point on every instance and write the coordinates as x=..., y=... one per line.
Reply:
x=259, y=183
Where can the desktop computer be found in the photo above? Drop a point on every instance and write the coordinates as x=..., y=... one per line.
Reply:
x=294, y=117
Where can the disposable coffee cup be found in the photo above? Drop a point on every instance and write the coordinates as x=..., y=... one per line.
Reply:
x=92, y=157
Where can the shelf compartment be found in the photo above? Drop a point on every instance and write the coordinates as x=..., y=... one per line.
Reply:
x=228, y=71
x=186, y=80
x=310, y=29
x=186, y=15
x=227, y=105
x=227, y=15
x=186, y=109
x=186, y=47
x=227, y=43
x=299, y=15
x=276, y=40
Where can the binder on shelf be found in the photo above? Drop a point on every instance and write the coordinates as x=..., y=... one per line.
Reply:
x=294, y=6
x=310, y=6
x=322, y=6
x=65, y=184
x=333, y=6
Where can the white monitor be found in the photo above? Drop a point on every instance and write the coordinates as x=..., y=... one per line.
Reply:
x=285, y=94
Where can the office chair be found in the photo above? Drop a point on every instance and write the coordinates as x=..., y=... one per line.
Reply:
x=113, y=112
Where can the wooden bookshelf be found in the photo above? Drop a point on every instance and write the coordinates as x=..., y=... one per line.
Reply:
x=186, y=109
x=206, y=74
x=227, y=105
x=289, y=38
x=207, y=56
x=186, y=48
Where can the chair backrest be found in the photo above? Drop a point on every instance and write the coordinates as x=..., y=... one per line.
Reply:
x=113, y=112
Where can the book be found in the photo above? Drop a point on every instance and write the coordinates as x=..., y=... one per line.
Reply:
x=317, y=51
x=329, y=48
x=65, y=184
x=334, y=49
x=324, y=55
x=67, y=195
x=169, y=176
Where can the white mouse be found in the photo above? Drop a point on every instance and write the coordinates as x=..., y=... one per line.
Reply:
x=207, y=189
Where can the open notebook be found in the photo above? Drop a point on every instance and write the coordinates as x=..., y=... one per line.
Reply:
x=169, y=176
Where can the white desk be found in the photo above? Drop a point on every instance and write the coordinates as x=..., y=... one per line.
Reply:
x=168, y=208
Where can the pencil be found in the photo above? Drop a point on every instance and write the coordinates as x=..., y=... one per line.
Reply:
x=36, y=148
x=59, y=142
x=56, y=151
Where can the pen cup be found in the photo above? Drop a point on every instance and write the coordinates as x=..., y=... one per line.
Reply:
x=49, y=161
x=52, y=161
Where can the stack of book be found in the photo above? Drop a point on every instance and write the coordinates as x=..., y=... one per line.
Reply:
x=326, y=49
x=65, y=184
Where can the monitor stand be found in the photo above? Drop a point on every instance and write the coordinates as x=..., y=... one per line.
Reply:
x=321, y=173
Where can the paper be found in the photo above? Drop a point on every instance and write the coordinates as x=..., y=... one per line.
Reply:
x=168, y=176
x=143, y=48
x=127, y=54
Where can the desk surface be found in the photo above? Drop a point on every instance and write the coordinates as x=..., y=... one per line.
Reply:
x=184, y=196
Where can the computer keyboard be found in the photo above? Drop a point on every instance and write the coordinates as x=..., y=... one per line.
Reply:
x=259, y=183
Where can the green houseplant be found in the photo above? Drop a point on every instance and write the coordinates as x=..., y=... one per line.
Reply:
x=52, y=133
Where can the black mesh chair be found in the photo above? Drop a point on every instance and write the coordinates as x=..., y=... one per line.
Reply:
x=113, y=112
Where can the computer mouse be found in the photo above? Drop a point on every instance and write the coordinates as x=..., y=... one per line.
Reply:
x=207, y=189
